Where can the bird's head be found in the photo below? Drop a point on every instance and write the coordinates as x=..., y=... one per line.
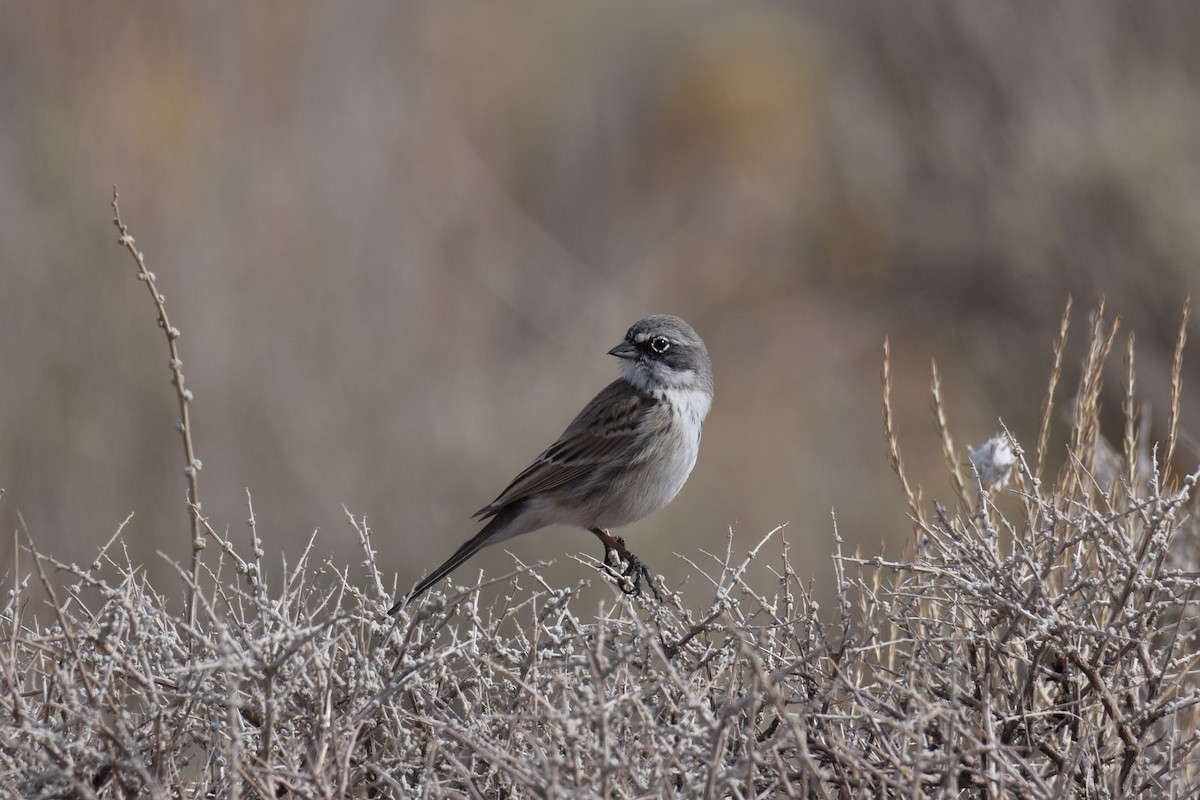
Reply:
x=663, y=352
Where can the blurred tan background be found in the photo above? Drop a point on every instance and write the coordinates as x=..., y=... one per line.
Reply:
x=398, y=240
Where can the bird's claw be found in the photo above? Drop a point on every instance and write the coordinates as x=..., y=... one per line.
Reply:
x=631, y=576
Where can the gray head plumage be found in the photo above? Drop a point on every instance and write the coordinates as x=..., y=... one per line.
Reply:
x=664, y=352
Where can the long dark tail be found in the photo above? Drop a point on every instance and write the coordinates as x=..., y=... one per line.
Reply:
x=469, y=548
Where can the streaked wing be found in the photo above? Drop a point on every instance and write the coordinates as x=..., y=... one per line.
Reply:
x=607, y=426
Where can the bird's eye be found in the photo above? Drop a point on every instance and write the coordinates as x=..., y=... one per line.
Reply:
x=660, y=344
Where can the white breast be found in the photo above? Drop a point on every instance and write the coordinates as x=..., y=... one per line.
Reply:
x=664, y=468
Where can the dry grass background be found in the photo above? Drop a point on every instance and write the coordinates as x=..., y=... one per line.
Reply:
x=398, y=239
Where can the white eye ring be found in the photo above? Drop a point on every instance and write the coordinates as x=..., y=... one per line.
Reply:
x=660, y=344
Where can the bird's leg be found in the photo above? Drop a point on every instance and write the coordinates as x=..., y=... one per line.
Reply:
x=634, y=566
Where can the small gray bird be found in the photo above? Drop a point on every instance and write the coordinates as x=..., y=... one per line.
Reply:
x=626, y=455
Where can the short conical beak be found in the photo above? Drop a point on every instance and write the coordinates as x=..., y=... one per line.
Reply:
x=624, y=350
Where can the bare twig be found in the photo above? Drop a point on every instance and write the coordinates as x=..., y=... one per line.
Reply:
x=183, y=424
x=1176, y=390
x=913, y=496
x=1060, y=346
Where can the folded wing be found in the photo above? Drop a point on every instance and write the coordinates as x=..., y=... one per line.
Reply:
x=606, y=427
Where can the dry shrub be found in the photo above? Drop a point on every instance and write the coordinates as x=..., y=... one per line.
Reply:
x=1043, y=652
